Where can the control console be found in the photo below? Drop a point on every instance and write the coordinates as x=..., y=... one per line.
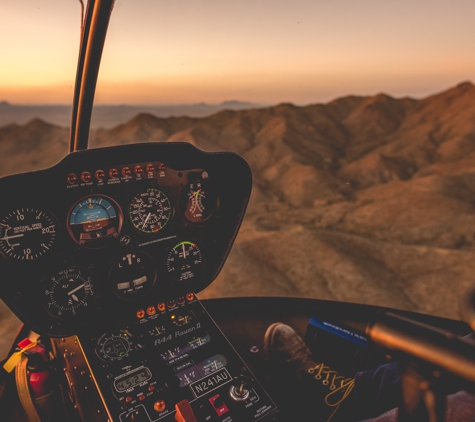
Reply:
x=170, y=362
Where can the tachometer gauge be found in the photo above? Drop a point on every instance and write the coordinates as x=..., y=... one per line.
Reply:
x=150, y=211
x=133, y=275
x=198, y=201
x=114, y=347
x=27, y=233
x=94, y=220
x=184, y=261
x=69, y=292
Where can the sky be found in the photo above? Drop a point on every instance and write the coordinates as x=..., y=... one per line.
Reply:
x=264, y=51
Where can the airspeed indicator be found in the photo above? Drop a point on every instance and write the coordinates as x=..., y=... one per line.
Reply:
x=150, y=211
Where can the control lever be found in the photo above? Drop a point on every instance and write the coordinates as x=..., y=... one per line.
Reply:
x=239, y=390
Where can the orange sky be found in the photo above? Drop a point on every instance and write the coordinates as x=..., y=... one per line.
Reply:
x=265, y=51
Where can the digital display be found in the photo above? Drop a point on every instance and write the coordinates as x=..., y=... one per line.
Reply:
x=131, y=380
x=201, y=370
x=193, y=343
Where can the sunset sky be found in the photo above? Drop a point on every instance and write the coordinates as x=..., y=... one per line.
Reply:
x=264, y=51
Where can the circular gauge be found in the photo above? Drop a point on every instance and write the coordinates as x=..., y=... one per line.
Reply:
x=133, y=275
x=69, y=292
x=198, y=201
x=150, y=210
x=184, y=261
x=94, y=220
x=27, y=233
x=114, y=347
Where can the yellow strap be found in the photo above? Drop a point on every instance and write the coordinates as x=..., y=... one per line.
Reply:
x=15, y=358
x=24, y=392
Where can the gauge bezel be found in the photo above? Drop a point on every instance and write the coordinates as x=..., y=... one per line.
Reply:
x=185, y=200
x=102, y=241
x=168, y=197
x=196, y=274
x=86, y=305
x=110, y=336
x=145, y=291
x=47, y=249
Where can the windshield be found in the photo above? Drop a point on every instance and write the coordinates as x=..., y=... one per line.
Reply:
x=357, y=119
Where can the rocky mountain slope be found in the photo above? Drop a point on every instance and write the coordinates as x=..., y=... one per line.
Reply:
x=363, y=199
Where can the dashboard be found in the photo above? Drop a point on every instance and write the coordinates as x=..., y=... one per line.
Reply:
x=115, y=232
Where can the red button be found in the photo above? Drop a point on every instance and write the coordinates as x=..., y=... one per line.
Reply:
x=86, y=176
x=142, y=397
x=128, y=399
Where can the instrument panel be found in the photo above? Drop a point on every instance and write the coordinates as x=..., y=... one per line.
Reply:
x=87, y=240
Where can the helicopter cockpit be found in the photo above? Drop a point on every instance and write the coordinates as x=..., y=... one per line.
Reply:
x=105, y=254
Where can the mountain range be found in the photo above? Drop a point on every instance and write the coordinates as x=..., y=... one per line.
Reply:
x=367, y=199
x=107, y=116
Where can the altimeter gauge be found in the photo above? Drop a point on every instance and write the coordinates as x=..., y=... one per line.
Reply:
x=69, y=292
x=150, y=210
x=27, y=233
x=184, y=261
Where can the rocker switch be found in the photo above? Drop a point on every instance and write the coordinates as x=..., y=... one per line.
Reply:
x=218, y=405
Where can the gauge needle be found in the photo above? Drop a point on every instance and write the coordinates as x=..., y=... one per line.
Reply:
x=12, y=237
x=76, y=289
x=75, y=297
x=145, y=222
x=183, y=248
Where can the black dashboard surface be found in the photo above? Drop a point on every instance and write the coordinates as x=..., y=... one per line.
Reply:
x=112, y=232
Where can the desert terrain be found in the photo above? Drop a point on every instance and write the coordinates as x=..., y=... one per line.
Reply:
x=363, y=199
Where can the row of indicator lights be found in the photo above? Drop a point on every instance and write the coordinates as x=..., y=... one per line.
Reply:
x=162, y=306
x=159, y=405
x=114, y=173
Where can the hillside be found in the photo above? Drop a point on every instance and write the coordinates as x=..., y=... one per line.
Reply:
x=363, y=199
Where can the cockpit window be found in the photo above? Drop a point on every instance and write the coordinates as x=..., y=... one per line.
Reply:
x=356, y=118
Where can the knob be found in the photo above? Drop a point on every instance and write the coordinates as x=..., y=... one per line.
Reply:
x=239, y=390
